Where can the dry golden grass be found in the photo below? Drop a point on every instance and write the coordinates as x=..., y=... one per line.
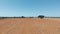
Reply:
x=30, y=26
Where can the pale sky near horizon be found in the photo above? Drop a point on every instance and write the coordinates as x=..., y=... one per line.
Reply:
x=29, y=7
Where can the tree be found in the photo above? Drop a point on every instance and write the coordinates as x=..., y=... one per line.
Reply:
x=41, y=16
x=22, y=17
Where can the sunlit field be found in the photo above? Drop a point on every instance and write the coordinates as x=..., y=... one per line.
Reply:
x=30, y=26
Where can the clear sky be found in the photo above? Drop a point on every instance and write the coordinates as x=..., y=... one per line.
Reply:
x=29, y=7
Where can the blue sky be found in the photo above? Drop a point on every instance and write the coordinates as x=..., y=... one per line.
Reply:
x=29, y=7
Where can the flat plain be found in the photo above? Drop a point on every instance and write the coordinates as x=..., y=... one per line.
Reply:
x=30, y=26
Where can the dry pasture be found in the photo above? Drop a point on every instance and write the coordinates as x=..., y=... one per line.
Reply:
x=30, y=26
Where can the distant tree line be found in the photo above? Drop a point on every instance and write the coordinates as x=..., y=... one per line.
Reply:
x=40, y=16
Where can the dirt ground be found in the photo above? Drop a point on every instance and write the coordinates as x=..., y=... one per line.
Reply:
x=30, y=26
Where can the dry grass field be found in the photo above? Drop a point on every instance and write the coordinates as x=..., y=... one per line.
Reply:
x=30, y=26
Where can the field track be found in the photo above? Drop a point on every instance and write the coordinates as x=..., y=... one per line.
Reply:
x=30, y=26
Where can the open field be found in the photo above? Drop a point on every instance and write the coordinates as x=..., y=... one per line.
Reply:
x=30, y=26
